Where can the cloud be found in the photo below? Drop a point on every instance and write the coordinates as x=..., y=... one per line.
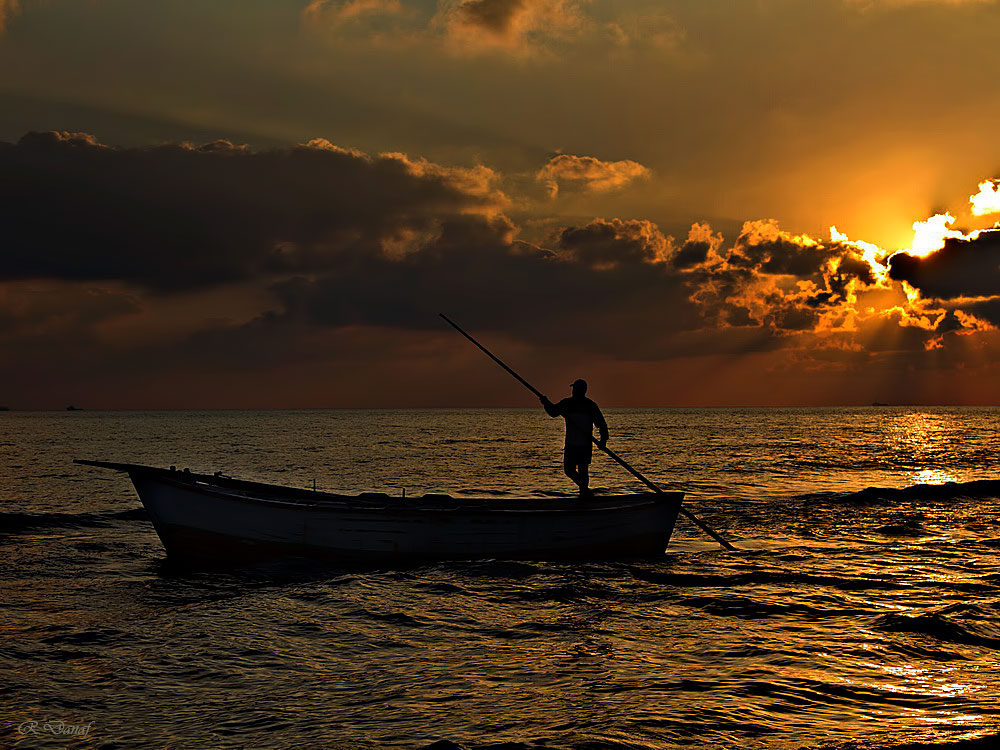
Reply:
x=177, y=216
x=772, y=278
x=518, y=29
x=29, y=309
x=649, y=30
x=8, y=9
x=375, y=20
x=522, y=26
x=895, y=4
x=341, y=238
x=474, y=271
x=341, y=13
x=48, y=327
x=961, y=268
x=701, y=242
x=607, y=243
x=295, y=248
x=987, y=200
x=981, y=310
x=588, y=173
x=495, y=16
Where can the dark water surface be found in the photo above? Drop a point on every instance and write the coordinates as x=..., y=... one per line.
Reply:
x=862, y=610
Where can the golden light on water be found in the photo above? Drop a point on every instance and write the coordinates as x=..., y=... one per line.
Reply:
x=934, y=476
x=933, y=682
x=914, y=431
x=922, y=436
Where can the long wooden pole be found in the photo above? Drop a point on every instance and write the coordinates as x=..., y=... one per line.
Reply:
x=618, y=459
x=691, y=516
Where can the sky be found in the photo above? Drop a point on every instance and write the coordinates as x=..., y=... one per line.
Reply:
x=266, y=203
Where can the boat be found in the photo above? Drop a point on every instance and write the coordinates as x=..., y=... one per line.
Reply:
x=205, y=518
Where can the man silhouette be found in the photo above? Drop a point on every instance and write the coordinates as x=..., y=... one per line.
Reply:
x=581, y=415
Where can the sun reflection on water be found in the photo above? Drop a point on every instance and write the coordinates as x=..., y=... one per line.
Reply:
x=922, y=445
x=932, y=683
x=934, y=476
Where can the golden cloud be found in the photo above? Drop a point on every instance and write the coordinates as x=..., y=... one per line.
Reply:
x=588, y=173
x=8, y=9
x=520, y=29
x=337, y=238
x=478, y=181
x=520, y=26
x=892, y=4
x=333, y=13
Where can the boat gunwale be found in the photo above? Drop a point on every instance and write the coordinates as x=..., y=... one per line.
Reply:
x=341, y=503
x=317, y=500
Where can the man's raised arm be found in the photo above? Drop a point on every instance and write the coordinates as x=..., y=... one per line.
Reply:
x=551, y=409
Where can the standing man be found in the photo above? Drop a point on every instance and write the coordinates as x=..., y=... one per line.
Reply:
x=581, y=415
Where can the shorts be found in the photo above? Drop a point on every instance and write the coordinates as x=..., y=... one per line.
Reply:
x=578, y=454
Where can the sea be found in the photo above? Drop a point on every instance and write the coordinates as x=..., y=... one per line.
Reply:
x=861, y=609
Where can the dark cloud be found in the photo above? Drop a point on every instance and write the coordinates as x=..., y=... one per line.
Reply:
x=8, y=9
x=40, y=310
x=764, y=247
x=175, y=217
x=962, y=268
x=321, y=244
x=792, y=317
x=345, y=239
x=852, y=267
x=988, y=310
x=538, y=295
x=700, y=242
x=949, y=323
x=493, y=15
x=609, y=242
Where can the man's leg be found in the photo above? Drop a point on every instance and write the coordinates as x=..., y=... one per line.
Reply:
x=569, y=466
x=577, y=469
x=583, y=462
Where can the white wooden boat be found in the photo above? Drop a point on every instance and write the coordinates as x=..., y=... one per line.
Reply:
x=202, y=518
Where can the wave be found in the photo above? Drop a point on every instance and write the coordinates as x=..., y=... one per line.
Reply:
x=942, y=628
x=909, y=527
x=987, y=742
x=976, y=489
x=14, y=523
x=750, y=579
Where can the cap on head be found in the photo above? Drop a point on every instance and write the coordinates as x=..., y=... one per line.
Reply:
x=579, y=385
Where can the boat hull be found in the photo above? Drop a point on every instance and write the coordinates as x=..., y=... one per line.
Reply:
x=209, y=519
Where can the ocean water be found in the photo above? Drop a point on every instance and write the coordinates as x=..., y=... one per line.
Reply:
x=862, y=609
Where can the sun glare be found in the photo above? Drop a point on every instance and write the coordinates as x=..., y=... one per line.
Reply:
x=929, y=235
